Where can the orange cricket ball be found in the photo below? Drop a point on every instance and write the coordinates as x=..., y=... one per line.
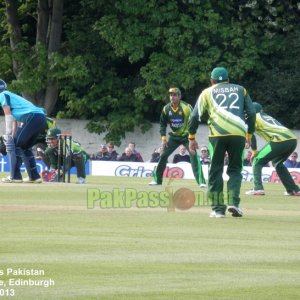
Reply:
x=184, y=199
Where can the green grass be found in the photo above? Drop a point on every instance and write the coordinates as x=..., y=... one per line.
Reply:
x=149, y=253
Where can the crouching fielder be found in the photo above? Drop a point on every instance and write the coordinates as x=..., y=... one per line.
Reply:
x=281, y=143
x=50, y=157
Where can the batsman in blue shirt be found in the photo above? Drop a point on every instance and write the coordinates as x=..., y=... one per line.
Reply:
x=23, y=124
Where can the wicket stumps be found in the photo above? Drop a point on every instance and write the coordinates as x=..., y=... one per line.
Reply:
x=64, y=156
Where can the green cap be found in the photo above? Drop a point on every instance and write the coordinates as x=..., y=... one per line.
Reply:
x=175, y=90
x=53, y=133
x=219, y=74
x=258, y=108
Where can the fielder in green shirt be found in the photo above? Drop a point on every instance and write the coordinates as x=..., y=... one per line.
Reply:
x=176, y=114
x=281, y=144
x=226, y=104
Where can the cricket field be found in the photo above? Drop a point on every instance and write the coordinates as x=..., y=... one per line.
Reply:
x=116, y=238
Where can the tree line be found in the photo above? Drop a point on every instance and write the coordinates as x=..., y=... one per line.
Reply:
x=112, y=62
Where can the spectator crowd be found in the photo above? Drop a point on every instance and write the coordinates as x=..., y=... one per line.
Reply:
x=107, y=152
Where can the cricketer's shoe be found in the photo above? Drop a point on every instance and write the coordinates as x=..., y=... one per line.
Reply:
x=28, y=180
x=81, y=180
x=10, y=180
x=292, y=193
x=154, y=183
x=203, y=186
x=235, y=211
x=256, y=192
x=215, y=214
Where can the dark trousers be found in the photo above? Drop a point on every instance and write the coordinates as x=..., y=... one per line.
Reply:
x=218, y=146
x=172, y=144
x=25, y=138
x=78, y=161
x=278, y=153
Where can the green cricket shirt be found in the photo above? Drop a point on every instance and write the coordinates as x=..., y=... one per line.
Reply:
x=177, y=118
x=52, y=153
x=226, y=104
x=271, y=130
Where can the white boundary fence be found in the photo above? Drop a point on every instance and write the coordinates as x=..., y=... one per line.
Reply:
x=180, y=170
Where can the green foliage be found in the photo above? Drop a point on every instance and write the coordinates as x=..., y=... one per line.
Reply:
x=277, y=88
x=178, y=44
x=104, y=93
x=118, y=58
x=34, y=70
x=5, y=62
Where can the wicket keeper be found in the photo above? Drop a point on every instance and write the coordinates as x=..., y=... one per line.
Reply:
x=78, y=155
